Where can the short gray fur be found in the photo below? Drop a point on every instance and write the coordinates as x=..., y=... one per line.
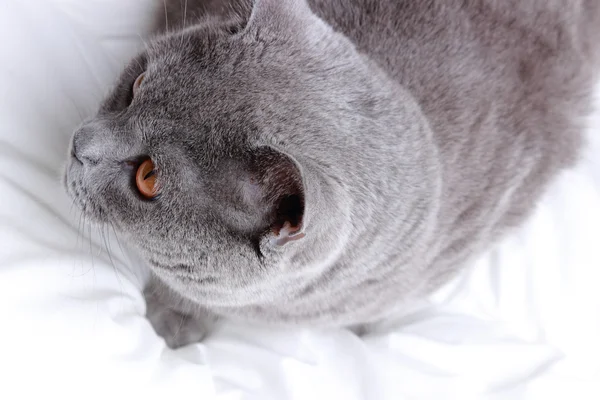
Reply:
x=402, y=137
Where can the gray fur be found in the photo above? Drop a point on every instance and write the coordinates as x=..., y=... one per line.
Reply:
x=410, y=136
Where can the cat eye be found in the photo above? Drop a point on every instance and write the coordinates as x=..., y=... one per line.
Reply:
x=138, y=82
x=145, y=180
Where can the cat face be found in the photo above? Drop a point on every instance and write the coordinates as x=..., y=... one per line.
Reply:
x=191, y=157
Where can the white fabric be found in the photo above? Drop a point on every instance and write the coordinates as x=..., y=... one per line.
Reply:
x=523, y=323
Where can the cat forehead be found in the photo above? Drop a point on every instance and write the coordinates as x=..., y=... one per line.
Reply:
x=199, y=48
x=197, y=43
x=217, y=90
x=190, y=64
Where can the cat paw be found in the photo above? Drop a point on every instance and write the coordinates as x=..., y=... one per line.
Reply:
x=177, y=328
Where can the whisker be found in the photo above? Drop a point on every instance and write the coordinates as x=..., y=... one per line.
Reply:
x=186, y=308
x=94, y=282
x=185, y=13
x=79, y=232
x=166, y=17
x=100, y=249
x=77, y=248
x=71, y=208
x=121, y=249
x=138, y=63
x=118, y=241
x=145, y=43
x=106, y=239
x=184, y=22
x=91, y=251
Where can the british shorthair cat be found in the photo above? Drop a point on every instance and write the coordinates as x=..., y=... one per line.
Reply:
x=327, y=162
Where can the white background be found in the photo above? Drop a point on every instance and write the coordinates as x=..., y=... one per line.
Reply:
x=523, y=323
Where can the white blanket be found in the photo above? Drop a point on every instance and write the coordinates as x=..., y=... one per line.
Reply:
x=522, y=323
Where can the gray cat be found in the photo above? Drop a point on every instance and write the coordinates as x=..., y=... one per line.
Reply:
x=328, y=162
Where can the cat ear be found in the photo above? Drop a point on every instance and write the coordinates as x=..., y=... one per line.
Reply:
x=276, y=188
x=280, y=16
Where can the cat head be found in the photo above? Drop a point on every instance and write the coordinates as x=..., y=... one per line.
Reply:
x=194, y=156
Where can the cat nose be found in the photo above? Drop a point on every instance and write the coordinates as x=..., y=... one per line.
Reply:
x=83, y=149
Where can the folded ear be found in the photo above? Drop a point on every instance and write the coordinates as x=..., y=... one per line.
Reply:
x=275, y=187
x=286, y=18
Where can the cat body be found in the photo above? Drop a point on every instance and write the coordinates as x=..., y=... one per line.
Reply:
x=328, y=162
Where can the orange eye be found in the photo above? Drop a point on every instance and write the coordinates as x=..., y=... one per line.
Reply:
x=145, y=180
x=138, y=82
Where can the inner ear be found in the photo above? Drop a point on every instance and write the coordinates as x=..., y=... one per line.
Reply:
x=291, y=210
x=289, y=223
